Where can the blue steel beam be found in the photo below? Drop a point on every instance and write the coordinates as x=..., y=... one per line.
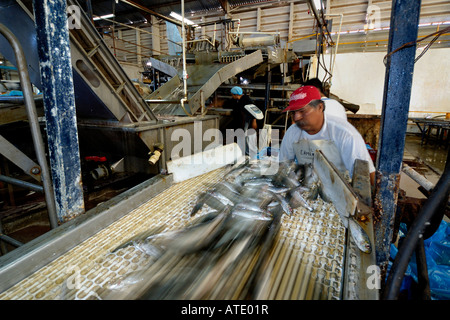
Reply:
x=59, y=106
x=394, y=117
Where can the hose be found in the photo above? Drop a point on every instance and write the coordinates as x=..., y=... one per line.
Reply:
x=428, y=211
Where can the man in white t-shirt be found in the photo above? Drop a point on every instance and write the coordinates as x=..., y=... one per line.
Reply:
x=332, y=107
x=312, y=124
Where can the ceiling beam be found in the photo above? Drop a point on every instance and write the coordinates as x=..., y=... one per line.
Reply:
x=147, y=10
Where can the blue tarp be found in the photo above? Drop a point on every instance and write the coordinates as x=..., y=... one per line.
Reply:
x=437, y=252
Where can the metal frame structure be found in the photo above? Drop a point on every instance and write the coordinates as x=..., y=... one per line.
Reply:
x=59, y=107
x=394, y=117
x=34, y=124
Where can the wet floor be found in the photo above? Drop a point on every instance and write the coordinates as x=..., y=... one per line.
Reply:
x=433, y=154
x=427, y=159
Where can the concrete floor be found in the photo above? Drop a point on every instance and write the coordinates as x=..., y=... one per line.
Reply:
x=428, y=160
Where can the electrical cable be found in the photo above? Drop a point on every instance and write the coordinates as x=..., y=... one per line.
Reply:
x=437, y=34
x=431, y=207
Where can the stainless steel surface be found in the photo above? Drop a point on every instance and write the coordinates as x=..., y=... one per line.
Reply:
x=99, y=68
x=34, y=123
x=306, y=262
x=20, y=159
x=202, y=82
x=43, y=251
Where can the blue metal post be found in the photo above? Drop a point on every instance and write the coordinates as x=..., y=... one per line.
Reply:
x=59, y=105
x=394, y=117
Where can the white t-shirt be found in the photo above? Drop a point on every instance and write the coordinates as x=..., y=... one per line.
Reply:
x=334, y=108
x=347, y=139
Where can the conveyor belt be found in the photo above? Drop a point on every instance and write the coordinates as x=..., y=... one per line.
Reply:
x=306, y=261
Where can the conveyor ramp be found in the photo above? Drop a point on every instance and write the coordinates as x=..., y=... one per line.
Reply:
x=102, y=88
x=309, y=258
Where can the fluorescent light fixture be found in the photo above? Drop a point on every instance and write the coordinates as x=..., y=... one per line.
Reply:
x=317, y=4
x=106, y=16
x=179, y=17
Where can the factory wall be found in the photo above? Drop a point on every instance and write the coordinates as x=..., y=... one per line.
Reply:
x=359, y=78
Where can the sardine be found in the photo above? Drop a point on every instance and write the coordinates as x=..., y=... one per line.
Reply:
x=278, y=190
x=225, y=200
x=148, y=248
x=359, y=236
x=139, y=238
x=296, y=199
x=197, y=237
x=236, y=170
x=245, y=177
x=248, y=206
x=251, y=214
x=211, y=199
x=287, y=208
x=310, y=175
x=126, y=281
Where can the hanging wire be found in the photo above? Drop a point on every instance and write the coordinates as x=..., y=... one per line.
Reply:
x=436, y=35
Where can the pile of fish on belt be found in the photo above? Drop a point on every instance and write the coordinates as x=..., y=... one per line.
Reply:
x=237, y=233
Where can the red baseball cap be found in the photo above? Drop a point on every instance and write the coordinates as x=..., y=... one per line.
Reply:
x=301, y=97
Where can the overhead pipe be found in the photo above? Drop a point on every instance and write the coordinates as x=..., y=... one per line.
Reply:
x=337, y=41
x=38, y=142
x=140, y=7
x=183, y=35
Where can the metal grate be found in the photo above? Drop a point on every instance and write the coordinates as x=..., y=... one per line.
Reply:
x=306, y=261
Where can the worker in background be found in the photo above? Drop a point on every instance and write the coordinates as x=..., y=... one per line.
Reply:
x=332, y=107
x=314, y=129
x=242, y=119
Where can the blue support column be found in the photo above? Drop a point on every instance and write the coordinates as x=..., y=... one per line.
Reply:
x=59, y=105
x=394, y=117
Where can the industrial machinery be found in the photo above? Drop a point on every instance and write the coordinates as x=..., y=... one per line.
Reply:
x=121, y=135
x=311, y=254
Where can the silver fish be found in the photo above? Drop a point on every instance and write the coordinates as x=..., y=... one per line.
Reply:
x=248, y=206
x=211, y=200
x=260, y=182
x=296, y=199
x=149, y=248
x=125, y=281
x=194, y=238
x=287, y=208
x=251, y=214
x=225, y=200
x=275, y=189
x=245, y=177
x=140, y=238
x=359, y=236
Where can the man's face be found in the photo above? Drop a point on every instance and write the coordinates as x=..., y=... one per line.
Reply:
x=236, y=96
x=309, y=118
